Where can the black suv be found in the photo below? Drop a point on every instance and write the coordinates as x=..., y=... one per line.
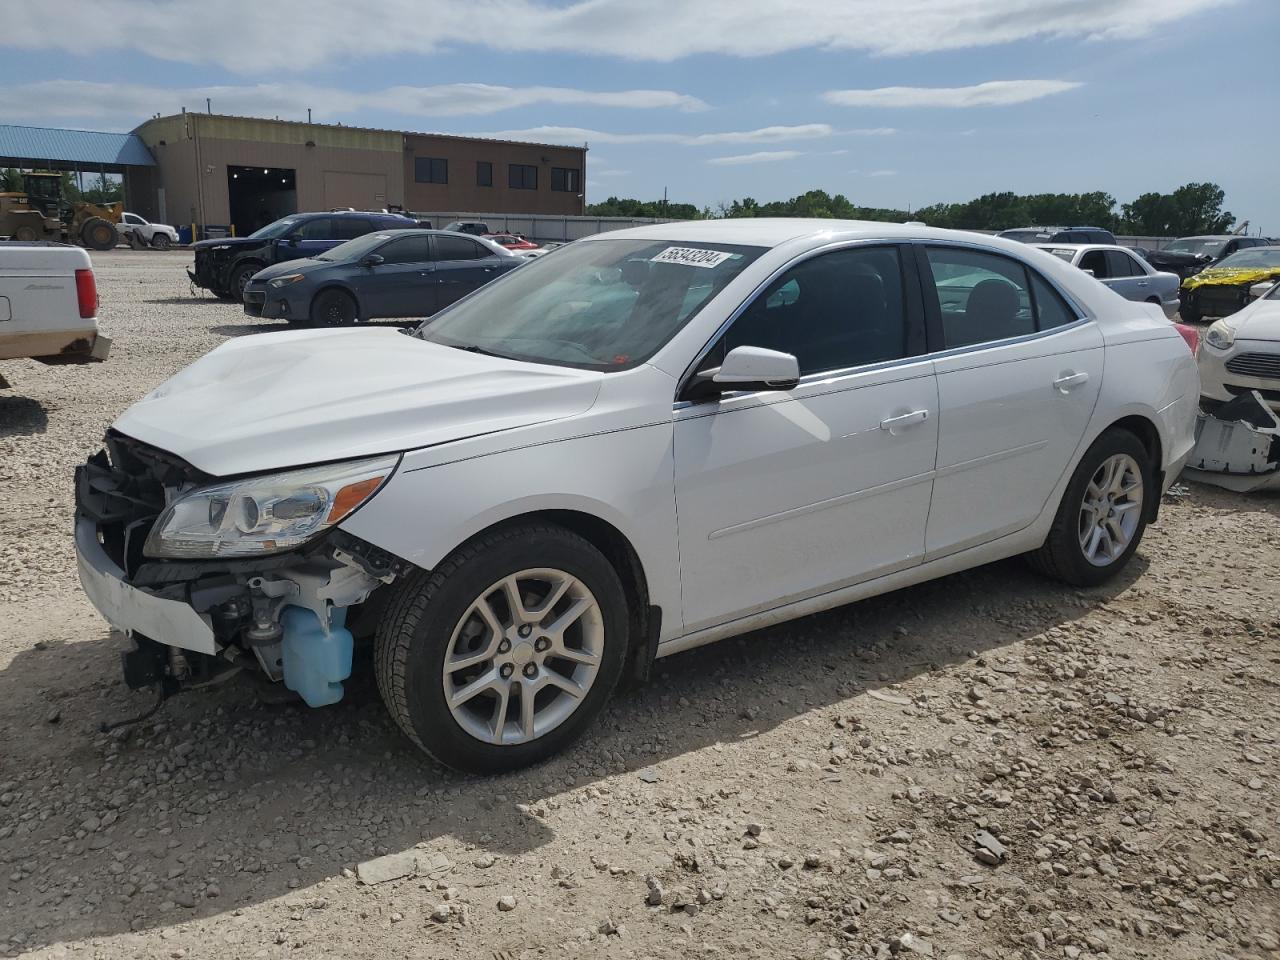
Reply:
x=225, y=266
x=1059, y=235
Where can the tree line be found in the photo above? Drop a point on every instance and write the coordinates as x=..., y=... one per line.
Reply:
x=1190, y=209
x=99, y=189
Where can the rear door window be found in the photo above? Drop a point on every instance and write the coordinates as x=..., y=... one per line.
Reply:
x=459, y=248
x=1095, y=261
x=348, y=228
x=982, y=297
x=1120, y=264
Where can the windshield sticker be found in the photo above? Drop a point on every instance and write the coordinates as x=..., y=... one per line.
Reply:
x=692, y=257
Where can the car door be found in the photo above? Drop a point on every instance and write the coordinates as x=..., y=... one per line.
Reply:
x=785, y=495
x=402, y=285
x=1019, y=370
x=461, y=265
x=1125, y=276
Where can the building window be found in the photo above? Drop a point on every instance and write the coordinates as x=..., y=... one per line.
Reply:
x=430, y=170
x=484, y=173
x=522, y=176
x=566, y=179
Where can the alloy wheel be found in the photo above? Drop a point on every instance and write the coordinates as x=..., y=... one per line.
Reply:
x=1111, y=511
x=523, y=656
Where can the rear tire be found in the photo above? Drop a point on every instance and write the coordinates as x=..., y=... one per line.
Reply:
x=99, y=234
x=26, y=234
x=334, y=308
x=1103, y=512
x=433, y=621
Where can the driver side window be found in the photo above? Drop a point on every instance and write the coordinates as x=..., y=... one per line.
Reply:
x=837, y=310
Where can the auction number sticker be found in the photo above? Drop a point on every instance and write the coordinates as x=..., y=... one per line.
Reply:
x=692, y=257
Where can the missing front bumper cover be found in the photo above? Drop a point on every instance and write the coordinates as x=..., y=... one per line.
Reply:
x=1238, y=446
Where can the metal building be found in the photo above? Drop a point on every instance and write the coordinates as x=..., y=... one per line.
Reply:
x=239, y=173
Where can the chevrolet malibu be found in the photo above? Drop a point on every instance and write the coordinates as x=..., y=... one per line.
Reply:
x=643, y=442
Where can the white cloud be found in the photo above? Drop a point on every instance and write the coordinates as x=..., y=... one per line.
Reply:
x=579, y=135
x=287, y=36
x=128, y=103
x=883, y=173
x=992, y=93
x=762, y=156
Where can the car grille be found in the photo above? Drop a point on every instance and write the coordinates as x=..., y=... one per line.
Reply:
x=254, y=302
x=1265, y=366
x=122, y=490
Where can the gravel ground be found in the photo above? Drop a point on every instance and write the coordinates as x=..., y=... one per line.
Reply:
x=988, y=766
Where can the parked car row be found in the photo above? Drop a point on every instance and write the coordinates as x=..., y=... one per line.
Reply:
x=649, y=440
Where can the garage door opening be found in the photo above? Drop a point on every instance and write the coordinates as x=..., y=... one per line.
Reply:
x=260, y=195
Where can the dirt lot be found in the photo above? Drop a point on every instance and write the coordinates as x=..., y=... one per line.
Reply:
x=986, y=766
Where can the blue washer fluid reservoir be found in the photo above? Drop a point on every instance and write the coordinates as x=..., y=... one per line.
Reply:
x=315, y=661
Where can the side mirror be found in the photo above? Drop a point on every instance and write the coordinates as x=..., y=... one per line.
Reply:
x=747, y=368
x=371, y=260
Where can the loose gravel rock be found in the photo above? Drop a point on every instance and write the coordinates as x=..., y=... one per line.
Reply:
x=1113, y=751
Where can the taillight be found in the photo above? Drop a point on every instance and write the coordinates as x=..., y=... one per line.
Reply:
x=1191, y=335
x=87, y=293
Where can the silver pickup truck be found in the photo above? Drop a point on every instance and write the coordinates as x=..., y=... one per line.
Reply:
x=48, y=304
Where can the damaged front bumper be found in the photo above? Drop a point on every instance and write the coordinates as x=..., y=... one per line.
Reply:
x=284, y=616
x=1238, y=446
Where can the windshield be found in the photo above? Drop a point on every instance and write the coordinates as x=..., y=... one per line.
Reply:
x=272, y=230
x=1257, y=257
x=357, y=248
x=1066, y=253
x=600, y=305
x=1196, y=245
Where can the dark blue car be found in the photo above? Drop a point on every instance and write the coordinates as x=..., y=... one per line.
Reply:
x=225, y=266
x=400, y=273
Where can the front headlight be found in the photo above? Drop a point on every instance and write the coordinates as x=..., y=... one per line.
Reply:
x=285, y=280
x=265, y=514
x=1221, y=335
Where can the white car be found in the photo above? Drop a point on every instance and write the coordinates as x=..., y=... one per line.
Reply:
x=48, y=305
x=1123, y=271
x=1241, y=352
x=159, y=235
x=655, y=438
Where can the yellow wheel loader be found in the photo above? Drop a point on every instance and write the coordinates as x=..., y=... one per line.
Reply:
x=41, y=213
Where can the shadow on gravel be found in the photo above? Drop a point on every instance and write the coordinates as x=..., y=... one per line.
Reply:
x=110, y=833
x=1259, y=501
x=22, y=417
x=190, y=301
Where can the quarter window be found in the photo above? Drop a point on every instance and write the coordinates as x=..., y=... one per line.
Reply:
x=459, y=248
x=522, y=176
x=484, y=173
x=841, y=309
x=430, y=170
x=566, y=179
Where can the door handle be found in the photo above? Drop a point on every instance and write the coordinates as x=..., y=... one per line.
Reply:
x=901, y=422
x=1143, y=283
x=1069, y=381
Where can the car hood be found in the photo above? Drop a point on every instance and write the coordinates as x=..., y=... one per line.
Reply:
x=232, y=242
x=1230, y=276
x=305, y=265
x=276, y=401
x=1258, y=321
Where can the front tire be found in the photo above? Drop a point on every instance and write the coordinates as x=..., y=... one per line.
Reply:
x=503, y=654
x=334, y=308
x=161, y=241
x=1103, y=512
x=99, y=234
x=240, y=278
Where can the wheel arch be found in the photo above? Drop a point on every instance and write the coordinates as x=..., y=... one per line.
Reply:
x=644, y=616
x=342, y=287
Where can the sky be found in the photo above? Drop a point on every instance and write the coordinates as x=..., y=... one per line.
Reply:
x=895, y=103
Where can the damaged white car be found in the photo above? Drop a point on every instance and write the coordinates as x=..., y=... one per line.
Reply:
x=648, y=440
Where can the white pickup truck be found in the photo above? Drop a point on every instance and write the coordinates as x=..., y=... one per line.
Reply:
x=48, y=304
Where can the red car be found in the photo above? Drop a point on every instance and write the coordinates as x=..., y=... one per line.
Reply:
x=512, y=241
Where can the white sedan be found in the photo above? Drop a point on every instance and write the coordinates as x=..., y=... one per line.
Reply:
x=651, y=440
x=1241, y=352
x=1123, y=271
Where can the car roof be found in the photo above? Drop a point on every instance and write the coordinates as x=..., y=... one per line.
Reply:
x=775, y=231
x=1081, y=246
x=350, y=213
